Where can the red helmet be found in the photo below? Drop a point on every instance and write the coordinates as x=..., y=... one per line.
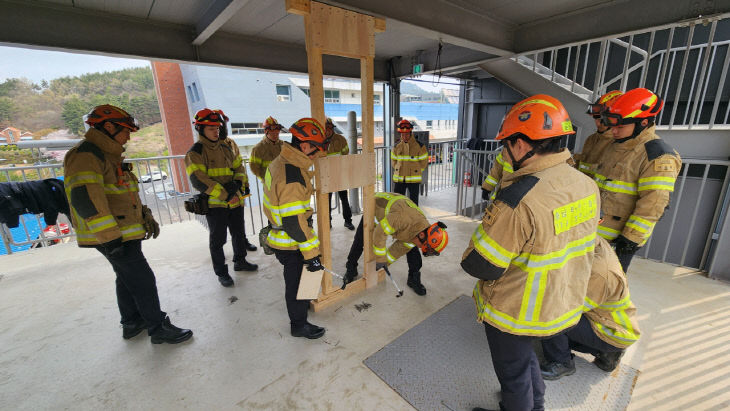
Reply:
x=223, y=115
x=405, y=126
x=602, y=103
x=271, y=124
x=208, y=117
x=539, y=117
x=112, y=114
x=633, y=107
x=436, y=239
x=309, y=130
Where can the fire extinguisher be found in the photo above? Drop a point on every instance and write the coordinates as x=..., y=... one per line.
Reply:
x=467, y=178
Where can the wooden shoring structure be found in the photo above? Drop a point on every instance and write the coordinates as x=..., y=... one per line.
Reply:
x=336, y=31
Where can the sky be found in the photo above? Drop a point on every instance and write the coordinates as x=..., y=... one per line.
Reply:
x=37, y=65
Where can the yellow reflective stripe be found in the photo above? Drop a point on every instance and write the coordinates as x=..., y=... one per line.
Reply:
x=390, y=257
x=243, y=175
x=586, y=168
x=101, y=223
x=557, y=259
x=393, y=156
x=621, y=304
x=489, y=249
x=378, y=250
x=280, y=238
x=608, y=233
x=85, y=177
x=216, y=191
x=640, y=224
x=616, y=186
x=309, y=244
x=196, y=167
x=267, y=179
x=115, y=189
x=237, y=162
x=575, y=213
x=255, y=160
x=506, y=167
x=589, y=304
x=657, y=183
x=387, y=228
x=533, y=101
x=218, y=172
x=409, y=245
x=409, y=158
x=132, y=230
x=287, y=209
x=533, y=296
x=491, y=180
x=274, y=214
x=624, y=338
x=413, y=179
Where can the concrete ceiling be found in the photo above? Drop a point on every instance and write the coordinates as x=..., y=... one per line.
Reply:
x=260, y=34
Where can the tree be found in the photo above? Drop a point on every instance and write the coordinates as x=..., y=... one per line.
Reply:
x=73, y=112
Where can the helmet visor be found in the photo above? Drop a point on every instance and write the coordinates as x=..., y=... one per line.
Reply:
x=595, y=110
x=613, y=120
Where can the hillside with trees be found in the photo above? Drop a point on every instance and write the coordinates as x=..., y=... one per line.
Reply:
x=62, y=102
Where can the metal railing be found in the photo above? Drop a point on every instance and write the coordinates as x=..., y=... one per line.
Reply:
x=474, y=166
x=686, y=64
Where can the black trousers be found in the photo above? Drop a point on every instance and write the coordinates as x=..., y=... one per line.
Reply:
x=219, y=220
x=346, y=211
x=625, y=259
x=136, y=286
x=412, y=188
x=517, y=369
x=413, y=256
x=579, y=338
x=293, y=262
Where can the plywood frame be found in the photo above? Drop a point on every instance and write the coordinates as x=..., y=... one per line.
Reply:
x=336, y=31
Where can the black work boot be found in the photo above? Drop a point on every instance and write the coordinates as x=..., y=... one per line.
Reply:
x=168, y=333
x=244, y=265
x=225, y=280
x=608, y=361
x=307, y=330
x=350, y=275
x=249, y=246
x=414, y=281
x=132, y=329
x=349, y=226
x=556, y=370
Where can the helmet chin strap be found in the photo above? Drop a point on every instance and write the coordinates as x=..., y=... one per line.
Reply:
x=111, y=136
x=638, y=128
x=516, y=164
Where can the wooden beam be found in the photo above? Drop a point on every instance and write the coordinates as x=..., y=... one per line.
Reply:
x=337, y=295
x=379, y=25
x=300, y=7
x=368, y=146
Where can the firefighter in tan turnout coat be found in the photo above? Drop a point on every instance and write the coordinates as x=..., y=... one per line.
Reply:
x=267, y=149
x=409, y=158
x=590, y=156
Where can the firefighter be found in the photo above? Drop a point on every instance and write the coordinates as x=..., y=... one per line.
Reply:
x=399, y=217
x=588, y=159
x=287, y=190
x=636, y=173
x=533, y=250
x=337, y=146
x=489, y=186
x=216, y=169
x=267, y=149
x=409, y=158
x=108, y=215
x=607, y=327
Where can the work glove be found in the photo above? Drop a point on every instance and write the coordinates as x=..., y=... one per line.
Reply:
x=246, y=190
x=232, y=188
x=313, y=264
x=114, y=249
x=380, y=266
x=485, y=194
x=150, y=225
x=624, y=246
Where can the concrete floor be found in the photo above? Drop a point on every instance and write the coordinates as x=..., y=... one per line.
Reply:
x=61, y=345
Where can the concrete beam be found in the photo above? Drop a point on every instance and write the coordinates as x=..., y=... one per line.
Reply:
x=120, y=36
x=219, y=12
x=610, y=19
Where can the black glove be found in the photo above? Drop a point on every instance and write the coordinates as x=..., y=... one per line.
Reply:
x=232, y=188
x=114, y=248
x=246, y=190
x=485, y=194
x=624, y=246
x=313, y=264
x=380, y=266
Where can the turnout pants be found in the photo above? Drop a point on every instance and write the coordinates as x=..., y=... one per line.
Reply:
x=517, y=369
x=413, y=256
x=581, y=338
x=293, y=262
x=136, y=286
x=412, y=188
x=346, y=211
x=219, y=220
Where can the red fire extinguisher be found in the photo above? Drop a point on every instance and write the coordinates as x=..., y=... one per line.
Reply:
x=467, y=178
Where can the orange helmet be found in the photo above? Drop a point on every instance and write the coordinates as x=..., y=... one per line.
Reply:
x=436, y=239
x=405, y=126
x=539, y=117
x=308, y=130
x=633, y=107
x=271, y=124
x=602, y=103
x=208, y=117
x=112, y=114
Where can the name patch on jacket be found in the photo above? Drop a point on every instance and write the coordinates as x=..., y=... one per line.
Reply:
x=664, y=164
x=570, y=215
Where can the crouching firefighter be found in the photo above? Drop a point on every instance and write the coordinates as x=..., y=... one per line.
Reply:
x=108, y=215
x=397, y=216
x=287, y=190
x=216, y=169
x=607, y=327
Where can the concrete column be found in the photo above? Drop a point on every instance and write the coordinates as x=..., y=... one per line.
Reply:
x=352, y=139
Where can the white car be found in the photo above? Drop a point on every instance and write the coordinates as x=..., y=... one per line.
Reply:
x=155, y=176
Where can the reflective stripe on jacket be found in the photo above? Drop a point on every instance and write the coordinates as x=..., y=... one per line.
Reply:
x=287, y=190
x=397, y=216
x=608, y=303
x=104, y=199
x=210, y=165
x=262, y=155
x=337, y=146
x=408, y=161
x=587, y=160
x=534, y=248
x=636, y=178
x=499, y=167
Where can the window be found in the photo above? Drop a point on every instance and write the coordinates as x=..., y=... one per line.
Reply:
x=331, y=96
x=305, y=90
x=195, y=94
x=429, y=124
x=247, y=128
x=376, y=99
x=283, y=93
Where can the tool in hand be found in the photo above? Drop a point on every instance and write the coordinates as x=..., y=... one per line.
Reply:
x=344, y=284
x=400, y=292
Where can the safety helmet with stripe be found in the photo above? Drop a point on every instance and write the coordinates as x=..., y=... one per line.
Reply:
x=308, y=130
x=602, y=103
x=113, y=114
x=405, y=126
x=436, y=239
x=271, y=124
x=539, y=117
x=207, y=117
x=633, y=107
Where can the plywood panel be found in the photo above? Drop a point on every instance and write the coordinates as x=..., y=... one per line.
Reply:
x=338, y=173
x=342, y=32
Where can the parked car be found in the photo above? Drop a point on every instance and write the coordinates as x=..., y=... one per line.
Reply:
x=155, y=176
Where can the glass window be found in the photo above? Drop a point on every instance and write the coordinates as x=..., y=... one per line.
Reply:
x=331, y=96
x=195, y=92
x=283, y=93
x=429, y=123
x=376, y=99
